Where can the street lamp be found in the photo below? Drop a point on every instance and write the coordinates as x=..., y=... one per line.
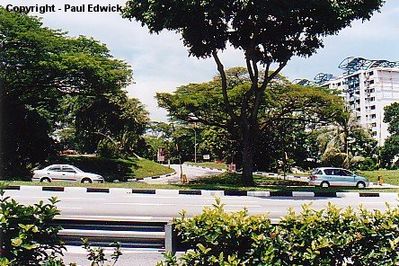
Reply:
x=195, y=143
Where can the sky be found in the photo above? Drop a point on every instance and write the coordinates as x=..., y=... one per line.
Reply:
x=161, y=63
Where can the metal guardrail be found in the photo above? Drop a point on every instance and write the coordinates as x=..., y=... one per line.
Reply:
x=103, y=233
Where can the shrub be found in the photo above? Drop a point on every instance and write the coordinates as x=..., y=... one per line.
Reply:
x=27, y=234
x=217, y=237
x=108, y=149
x=313, y=237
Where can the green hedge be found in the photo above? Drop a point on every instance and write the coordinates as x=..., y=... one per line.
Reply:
x=313, y=237
x=27, y=234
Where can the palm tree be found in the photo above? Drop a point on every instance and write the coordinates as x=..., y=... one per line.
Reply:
x=335, y=140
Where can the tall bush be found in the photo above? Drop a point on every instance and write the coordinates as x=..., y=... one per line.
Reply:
x=27, y=234
x=331, y=236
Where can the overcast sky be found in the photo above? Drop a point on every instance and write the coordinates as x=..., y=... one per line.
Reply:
x=161, y=63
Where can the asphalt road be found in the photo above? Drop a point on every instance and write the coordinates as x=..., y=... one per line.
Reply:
x=191, y=173
x=119, y=204
x=130, y=257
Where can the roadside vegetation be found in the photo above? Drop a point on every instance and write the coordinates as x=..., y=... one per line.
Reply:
x=330, y=236
x=215, y=165
x=29, y=236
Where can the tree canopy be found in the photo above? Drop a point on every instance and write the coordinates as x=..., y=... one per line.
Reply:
x=287, y=115
x=47, y=78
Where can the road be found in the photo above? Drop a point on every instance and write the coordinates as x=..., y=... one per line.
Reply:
x=191, y=173
x=130, y=257
x=121, y=204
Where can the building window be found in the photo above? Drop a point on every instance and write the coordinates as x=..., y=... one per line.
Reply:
x=371, y=73
x=372, y=81
x=372, y=107
x=374, y=133
x=374, y=124
x=373, y=116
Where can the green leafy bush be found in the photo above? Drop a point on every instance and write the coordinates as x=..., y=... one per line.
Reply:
x=97, y=257
x=27, y=234
x=313, y=237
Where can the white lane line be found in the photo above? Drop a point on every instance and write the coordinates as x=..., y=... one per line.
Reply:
x=110, y=217
x=140, y=204
x=69, y=208
x=109, y=250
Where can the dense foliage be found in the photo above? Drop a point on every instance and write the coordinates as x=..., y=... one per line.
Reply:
x=57, y=87
x=390, y=150
x=27, y=234
x=331, y=236
x=288, y=115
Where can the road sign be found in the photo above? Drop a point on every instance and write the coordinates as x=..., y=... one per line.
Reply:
x=161, y=155
x=206, y=157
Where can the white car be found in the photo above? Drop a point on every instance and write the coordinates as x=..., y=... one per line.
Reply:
x=66, y=173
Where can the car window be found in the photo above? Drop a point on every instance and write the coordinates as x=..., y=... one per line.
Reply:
x=55, y=169
x=329, y=171
x=347, y=173
x=68, y=169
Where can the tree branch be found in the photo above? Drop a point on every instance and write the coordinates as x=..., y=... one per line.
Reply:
x=222, y=73
x=273, y=75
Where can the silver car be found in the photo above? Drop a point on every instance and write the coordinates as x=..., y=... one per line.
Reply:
x=66, y=173
x=330, y=176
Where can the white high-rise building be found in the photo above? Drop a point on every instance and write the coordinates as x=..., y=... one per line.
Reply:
x=367, y=87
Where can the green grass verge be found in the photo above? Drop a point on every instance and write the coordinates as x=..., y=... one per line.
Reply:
x=389, y=176
x=210, y=165
x=150, y=168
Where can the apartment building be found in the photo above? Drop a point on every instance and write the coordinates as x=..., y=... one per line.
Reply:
x=367, y=87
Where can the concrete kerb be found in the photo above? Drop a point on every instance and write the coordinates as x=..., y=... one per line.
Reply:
x=206, y=168
x=211, y=193
x=148, y=178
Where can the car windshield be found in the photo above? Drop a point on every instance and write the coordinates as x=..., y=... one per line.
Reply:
x=78, y=170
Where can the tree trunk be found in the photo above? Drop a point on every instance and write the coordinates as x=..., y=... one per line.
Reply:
x=248, y=142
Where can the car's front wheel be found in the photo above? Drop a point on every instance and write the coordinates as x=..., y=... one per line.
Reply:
x=45, y=180
x=325, y=184
x=360, y=185
x=86, y=180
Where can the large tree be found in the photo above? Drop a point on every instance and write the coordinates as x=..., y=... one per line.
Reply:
x=268, y=32
x=287, y=113
x=38, y=68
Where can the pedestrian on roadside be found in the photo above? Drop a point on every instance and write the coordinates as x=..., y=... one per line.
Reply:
x=380, y=180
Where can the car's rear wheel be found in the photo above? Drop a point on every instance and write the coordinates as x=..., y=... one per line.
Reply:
x=86, y=180
x=45, y=180
x=325, y=184
x=360, y=185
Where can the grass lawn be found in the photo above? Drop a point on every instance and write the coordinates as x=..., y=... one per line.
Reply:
x=389, y=176
x=150, y=168
x=211, y=165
